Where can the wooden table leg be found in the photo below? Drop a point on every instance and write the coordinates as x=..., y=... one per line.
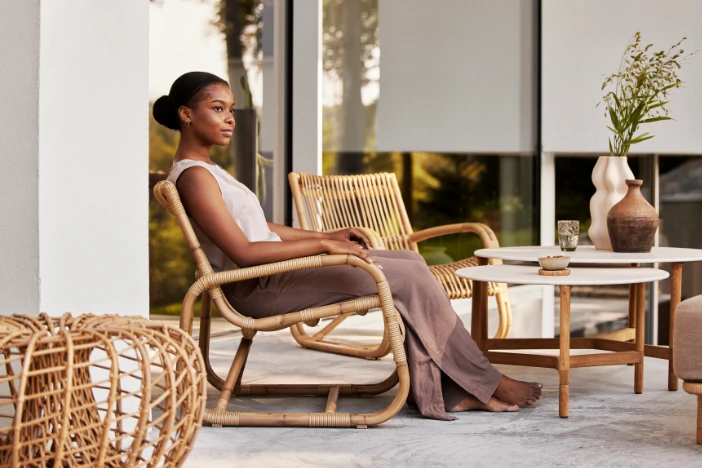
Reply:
x=675, y=296
x=640, y=290
x=564, y=358
x=632, y=306
x=478, y=315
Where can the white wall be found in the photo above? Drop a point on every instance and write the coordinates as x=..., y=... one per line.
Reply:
x=584, y=41
x=307, y=87
x=19, y=127
x=74, y=157
x=93, y=157
x=456, y=75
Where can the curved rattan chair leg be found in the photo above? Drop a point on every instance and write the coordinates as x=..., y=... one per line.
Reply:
x=235, y=372
x=504, y=311
x=221, y=417
x=394, y=327
x=204, y=340
x=316, y=342
x=187, y=313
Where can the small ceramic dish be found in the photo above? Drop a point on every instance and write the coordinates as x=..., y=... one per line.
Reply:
x=558, y=262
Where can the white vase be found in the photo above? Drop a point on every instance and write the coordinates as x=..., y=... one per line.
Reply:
x=608, y=176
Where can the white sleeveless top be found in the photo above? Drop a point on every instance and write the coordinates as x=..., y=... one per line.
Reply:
x=241, y=203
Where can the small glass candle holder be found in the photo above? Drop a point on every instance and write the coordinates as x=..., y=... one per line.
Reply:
x=568, y=232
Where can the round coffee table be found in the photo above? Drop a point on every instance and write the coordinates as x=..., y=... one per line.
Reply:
x=588, y=255
x=620, y=351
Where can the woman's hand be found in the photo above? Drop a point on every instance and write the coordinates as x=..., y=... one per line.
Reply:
x=350, y=234
x=346, y=247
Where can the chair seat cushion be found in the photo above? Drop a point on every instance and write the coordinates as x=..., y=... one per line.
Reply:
x=687, y=350
x=455, y=286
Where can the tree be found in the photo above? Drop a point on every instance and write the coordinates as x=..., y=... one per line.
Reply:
x=350, y=37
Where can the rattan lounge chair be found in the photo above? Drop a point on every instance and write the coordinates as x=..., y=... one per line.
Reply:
x=208, y=286
x=373, y=203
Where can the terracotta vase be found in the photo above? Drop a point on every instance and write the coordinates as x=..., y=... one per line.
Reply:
x=608, y=177
x=632, y=223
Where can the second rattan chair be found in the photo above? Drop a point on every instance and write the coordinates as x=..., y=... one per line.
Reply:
x=208, y=285
x=373, y=203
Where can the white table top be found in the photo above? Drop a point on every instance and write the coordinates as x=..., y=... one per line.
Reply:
x=525, y=274
x=588, y=254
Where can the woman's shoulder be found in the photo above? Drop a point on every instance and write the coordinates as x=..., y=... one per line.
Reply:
x=182, y=165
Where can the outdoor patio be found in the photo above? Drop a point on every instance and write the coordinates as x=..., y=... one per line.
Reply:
x=609, y=425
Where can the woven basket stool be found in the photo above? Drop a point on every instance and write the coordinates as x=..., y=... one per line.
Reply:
x=102, y=391
x=687, y=353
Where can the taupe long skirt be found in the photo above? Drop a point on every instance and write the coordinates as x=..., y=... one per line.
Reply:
x=444, y=362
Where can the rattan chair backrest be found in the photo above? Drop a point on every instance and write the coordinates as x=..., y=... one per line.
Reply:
x=372, y=201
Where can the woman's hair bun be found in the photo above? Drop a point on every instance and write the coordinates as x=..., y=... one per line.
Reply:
x=165, y=113
x=184, y=92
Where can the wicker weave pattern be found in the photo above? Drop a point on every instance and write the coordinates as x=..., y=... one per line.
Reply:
x=373, y=202
x=208, y=285
x=370, y=201
x=97, y=391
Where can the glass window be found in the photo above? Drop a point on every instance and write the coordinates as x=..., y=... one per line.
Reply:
x=437, y=187
x=233, y=40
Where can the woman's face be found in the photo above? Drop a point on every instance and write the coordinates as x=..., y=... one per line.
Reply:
x=212, y=117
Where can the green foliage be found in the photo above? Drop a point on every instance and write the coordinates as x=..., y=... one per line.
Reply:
x=640, y=92
x=455, y=190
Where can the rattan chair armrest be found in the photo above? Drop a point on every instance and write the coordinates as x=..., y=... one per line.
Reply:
x=374, y=239
x=212, y=281
x=208, y=281
x=487, y=236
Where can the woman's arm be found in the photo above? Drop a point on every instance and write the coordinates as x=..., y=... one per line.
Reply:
x=203, y=202
x=292, y=234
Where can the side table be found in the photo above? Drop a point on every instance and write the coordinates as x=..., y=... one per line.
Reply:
x=619, y=350
x=588, y=255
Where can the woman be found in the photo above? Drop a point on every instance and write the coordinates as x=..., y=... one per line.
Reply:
x=448, y=371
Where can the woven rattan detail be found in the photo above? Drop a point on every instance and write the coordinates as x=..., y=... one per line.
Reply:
x=392, y=319
x=248, y=327
x=308, y=317
x=370, y=200
x=363, y=304
x=80, y=391
x=455, y=286
x=223, y=418
x=330, y=420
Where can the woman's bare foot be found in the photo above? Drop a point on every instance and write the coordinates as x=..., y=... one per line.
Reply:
x=517, y=392
x=470, y=403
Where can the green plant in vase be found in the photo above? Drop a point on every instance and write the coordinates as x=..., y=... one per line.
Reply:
x=637, y=94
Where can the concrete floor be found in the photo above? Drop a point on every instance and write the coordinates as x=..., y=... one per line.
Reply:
x=609, y=425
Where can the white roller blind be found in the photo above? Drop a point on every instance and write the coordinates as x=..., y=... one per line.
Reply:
x=456, y=76
x=584, y=40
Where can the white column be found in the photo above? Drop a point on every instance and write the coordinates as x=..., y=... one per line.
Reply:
x=19, y=165
x=548, y=233
x=81, y=176
x=279, y=70
x=307, y=87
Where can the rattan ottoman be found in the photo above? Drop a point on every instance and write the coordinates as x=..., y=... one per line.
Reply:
x=97, y=391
